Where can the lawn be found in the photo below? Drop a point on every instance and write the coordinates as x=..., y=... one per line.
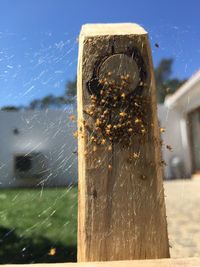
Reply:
x=38, y=225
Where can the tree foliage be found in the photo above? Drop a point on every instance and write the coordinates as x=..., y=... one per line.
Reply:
x=10, y=108
x=165, y=84
x=51, y=101
x=71, y=88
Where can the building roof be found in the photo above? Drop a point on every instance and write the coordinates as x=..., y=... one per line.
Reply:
x=183, y=90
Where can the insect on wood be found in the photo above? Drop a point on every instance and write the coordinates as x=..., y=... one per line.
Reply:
x=121, y=200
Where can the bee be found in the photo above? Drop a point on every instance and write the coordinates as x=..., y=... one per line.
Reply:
x=94, y=148
x=141, y=83
x=52, y=252
x=143, y=177
x=110, y=148
x=169, y=147
x=108, y=131
x=136, y=155
x=93, y=139
x=137, y=120
x=88, y=112
x=93, y=97
x=94, y=101
x=92, y=106
x=72, y=118
x=123, y=83
x=122, y=114
x=109, y=167
x=162, y=130
x=75, y=134
x=98, y=122
x=162, y=162
x=123, y=95
x=136, y=104
x=103, y=141
x=98, y=129
x=101, y=81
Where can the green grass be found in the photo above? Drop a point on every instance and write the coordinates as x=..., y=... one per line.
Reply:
x=34, y=221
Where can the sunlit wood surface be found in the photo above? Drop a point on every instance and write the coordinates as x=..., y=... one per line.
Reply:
x=187, y=262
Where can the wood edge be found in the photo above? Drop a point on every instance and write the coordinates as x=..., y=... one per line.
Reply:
x=184, y=262
x=81, y=248
x=112, y=29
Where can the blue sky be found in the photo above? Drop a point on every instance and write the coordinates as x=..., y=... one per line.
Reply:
x=38, y=48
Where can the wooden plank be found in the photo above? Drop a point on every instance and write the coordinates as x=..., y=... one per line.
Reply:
x=121, y=212
x=187, y=262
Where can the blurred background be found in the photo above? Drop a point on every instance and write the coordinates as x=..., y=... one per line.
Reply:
x=38, y=151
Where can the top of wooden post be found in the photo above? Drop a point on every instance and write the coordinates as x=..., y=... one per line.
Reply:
x=112, y=29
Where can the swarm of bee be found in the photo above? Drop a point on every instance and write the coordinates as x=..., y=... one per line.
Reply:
x=117, y=113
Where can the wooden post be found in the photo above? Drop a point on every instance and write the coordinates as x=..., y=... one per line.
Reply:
x=121, y=200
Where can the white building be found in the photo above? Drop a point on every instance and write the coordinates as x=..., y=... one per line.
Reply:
x=37, y=148
x=180, y=115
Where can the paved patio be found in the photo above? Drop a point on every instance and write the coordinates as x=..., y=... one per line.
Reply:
x=183, y=215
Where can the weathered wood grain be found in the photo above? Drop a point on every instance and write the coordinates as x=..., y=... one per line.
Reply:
x=187, y=262
x=121, y=208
